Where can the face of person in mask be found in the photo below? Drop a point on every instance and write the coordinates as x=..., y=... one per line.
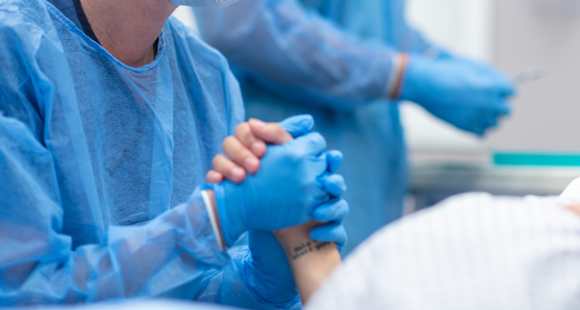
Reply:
x=218, y=4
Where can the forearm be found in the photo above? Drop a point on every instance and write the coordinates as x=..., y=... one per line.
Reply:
x=311, y=261
x=124, y=266
x=323, y=63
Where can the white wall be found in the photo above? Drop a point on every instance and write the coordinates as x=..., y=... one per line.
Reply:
x=546, y=112
x=464, y=26
x=514, y=35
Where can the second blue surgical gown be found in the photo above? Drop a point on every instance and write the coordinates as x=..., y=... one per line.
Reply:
x=331, y=59
x=101, y=163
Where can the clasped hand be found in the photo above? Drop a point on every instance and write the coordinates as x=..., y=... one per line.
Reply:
x=293, y=183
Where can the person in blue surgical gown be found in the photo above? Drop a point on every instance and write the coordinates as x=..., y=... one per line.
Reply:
x=348, y=62
x=110, y=115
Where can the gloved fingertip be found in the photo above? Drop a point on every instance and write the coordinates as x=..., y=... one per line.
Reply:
x=334, y=160
x=479, y=132
x=333, y=211
x=298, y=125
x=334, y=184
x=509, y=93
x=315, y=143
x=505, y=110
x=332, y=232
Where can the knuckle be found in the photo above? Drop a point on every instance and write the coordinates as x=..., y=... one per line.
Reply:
x=218, y=160
x=318, y=139
x=277, y=132
x=234, y=149
x=277, y=129
x=243, y=131
x=227, y=142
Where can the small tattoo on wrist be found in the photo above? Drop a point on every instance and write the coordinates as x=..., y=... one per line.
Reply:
x=307, y=247
x=320, y=245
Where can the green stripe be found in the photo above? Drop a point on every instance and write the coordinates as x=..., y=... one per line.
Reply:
x=511, y=159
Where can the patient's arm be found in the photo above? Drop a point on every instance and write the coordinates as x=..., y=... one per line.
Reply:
x=575, y=209
x=311, y=261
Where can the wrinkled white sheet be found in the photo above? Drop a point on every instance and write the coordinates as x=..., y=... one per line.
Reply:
x=472, y=251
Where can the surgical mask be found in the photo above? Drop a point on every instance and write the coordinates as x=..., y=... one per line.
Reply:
x=216, y=4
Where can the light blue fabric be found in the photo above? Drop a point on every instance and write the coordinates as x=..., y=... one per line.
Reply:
x=270, y=271
x=67, y=8
x=331, y=59
x=242, y=262
x=101, y=163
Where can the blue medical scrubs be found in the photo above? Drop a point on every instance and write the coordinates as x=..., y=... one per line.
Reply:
x=101, y=165
x=332, y=59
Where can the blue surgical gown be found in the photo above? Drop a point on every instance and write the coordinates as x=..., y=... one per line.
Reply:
x=331, y=59
x=101, y=166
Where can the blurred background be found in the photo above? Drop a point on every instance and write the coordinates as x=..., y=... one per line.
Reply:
x=536, y=150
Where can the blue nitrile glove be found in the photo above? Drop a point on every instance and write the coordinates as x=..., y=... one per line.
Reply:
x=267, y=273
x=467, y=94
x=334, y=211
x=283, y=193
x=298, y=125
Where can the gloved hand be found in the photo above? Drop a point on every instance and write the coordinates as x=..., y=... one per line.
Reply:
x=298, y=125
x=292, y=181
x=467, y=94
x=267, y=273
x=244, y=150
x=334, y=211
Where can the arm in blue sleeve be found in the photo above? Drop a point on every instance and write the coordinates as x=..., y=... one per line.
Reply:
x=298, y=53
x=233, y=284
x=38, y=263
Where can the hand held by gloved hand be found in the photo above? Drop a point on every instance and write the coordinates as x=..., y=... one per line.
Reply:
x=266, y=270
x=283, y=193
x=249, y=144
x=244, y=150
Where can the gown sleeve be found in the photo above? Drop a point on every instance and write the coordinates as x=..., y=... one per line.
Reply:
x=38, y=264
x=174, y=255
x=300, y=54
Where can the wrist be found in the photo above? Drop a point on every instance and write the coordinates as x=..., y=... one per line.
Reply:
x=297, y=237
x=396, y=80
x=311, y=261
x=411, y=81
x=231, y=217
x=209, y=200
x=267, y=273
